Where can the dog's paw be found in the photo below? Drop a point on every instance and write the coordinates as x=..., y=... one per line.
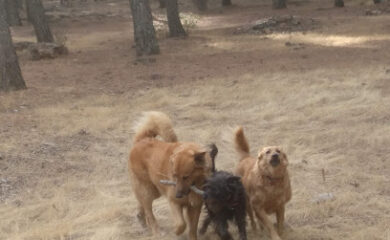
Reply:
x=180, y=229
x=141, y=219
x=202, y=231
x=161, y=233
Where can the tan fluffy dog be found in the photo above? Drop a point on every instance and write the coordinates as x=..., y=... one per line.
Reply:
x=266, y=182
x=152, y=160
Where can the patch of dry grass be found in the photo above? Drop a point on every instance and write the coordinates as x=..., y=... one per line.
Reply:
x=328, y=125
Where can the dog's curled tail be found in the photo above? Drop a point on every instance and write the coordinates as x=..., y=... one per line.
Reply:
x=153, y=124
x=240, y=142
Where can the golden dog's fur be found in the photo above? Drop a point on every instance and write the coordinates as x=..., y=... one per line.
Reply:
x=266, y=182
x=152, y=160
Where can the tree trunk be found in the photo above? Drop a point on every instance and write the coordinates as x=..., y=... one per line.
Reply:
x=377, y=1
x=200, y=4
x=10, y=74
x=279, y=4
x=20, y=4
x=226, y=2
x=144, y=32
x=28, y=15
x=175, y=27
x=339, y=3
x=39, y=21
x=162, y=3
x=12, y=13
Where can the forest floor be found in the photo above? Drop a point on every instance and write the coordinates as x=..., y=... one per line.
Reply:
x=320, y=90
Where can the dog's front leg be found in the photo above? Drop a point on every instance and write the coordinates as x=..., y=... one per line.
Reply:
x=222, y=230
x=241, y=224
x=177, y=212
x=280, y=219
x=262, y=215
x=205, y=225
x=193, y=213
x=251, y=217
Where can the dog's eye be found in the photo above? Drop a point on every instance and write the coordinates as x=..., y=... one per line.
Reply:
x=278, y=151
x=268, y=152
x=185, y=177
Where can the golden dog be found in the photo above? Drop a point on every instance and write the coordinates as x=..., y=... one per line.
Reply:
x=152, y=160
x=266, y=182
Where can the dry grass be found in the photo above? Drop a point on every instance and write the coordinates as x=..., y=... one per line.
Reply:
x=65, y=140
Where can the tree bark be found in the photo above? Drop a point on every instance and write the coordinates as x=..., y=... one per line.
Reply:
x=39, y=21
x=200, y=4
x=339, y=3
x=28, y=15
x=162, y=3
x=144, y=32
x=279, y=4
x=377, y=1
x=19, y=3
x=175, y=27
x=226, y=2
x=12, y=13
x=10, y=74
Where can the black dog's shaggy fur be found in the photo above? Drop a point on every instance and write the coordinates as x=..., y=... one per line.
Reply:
x=225, y=200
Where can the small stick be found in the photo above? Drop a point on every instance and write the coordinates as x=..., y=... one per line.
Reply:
x=323, y=174
x=168, y=182
x=197, y=190
x=193, y=187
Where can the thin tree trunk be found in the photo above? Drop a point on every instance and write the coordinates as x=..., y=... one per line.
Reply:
x=29, y=18
x=39, y=21
x=279, y=4
x=10, y=74
x=175, y=27
x=162, y=3
x=339, y=3
x=144, y=32
x=226, y=2
x=13, y=13
x=200, y=4
x=20, y=4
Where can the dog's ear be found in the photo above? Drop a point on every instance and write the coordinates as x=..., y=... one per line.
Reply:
x=200, y=159
x=285, y=158
x=260, y=156
x=213, y=154
x=233, y=179
x=213, y=151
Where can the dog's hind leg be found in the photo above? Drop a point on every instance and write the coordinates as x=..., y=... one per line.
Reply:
x=205, y=225
x=177, y=212
x=146, y=194
x=280, y=219
x=193, y=213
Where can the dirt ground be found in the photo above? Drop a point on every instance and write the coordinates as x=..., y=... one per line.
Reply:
x=322, y=93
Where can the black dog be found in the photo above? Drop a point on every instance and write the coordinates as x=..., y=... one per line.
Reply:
x=225, y=200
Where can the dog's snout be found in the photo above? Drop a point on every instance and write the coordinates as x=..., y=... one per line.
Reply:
x=179, y=194
x=275, y=160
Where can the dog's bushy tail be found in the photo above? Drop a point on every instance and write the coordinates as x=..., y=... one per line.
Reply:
x=240, y=143
x=153, y=124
